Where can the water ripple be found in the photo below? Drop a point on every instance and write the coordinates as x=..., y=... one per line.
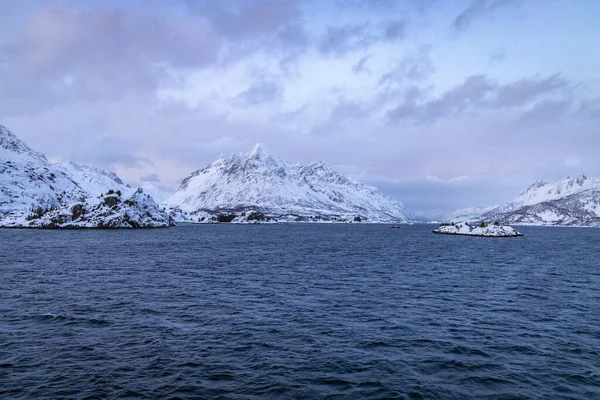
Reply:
x=298, y=311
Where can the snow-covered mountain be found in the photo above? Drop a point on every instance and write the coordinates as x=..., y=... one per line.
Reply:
x=258, y=185
x=569, y=202
x=94, y=180
x=467, y=214
x=28, y=179
x=37, y=193
x=157, y=194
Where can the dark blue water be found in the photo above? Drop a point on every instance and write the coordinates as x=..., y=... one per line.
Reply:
x=299, y=311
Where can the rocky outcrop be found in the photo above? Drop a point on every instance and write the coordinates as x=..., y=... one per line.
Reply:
x=482, y=229
x=35, y=193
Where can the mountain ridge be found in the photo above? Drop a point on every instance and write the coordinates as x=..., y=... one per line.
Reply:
x=571, y=201
x=261, y=182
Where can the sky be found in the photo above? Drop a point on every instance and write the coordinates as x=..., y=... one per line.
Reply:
x=441, y=104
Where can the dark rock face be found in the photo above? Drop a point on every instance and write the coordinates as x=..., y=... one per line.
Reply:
x=256, y=216
x=77, y=211
x=225, y=217
x=111, y=201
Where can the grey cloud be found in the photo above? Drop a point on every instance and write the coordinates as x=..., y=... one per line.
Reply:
x=389, y=5
x=112, y=151
x=526, y=90
x=414, y=67
x=423, y=195
x=247, y=19
x=394, y=30
x=343, y=39
x=480, y=92
x=470, y=93
x=65, y=54
x=477, y=9
x=351, y=37
x=497, y=56
x=546, y=111
x=151, y=178
x=348, y=109
x=260, y=92
x=590, y=108
x=267, y=26
x=361, y=65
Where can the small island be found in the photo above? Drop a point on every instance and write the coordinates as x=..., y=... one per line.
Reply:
x=480, y=229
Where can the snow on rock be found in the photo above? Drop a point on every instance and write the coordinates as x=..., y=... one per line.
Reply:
x=28, y=179
x=259, y=186
x=108, y=211
x=94, y=180
x=35, y=193
x=567, y=202
x=482, y=229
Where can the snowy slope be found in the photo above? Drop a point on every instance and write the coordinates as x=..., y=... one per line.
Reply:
x=37, y=193
x=567, y=202
x=259, y=181
x=94, y=180
x=541, y=192
x=27, y=179
x=468, y=214
x=577, y=209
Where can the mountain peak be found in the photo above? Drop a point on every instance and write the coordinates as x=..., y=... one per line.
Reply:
x=259, y=151
x=11, y=142
x=261, y=182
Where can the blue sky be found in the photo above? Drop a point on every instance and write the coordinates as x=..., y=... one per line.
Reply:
x=441, y=104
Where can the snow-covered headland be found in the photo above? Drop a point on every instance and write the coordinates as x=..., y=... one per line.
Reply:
x=35, y=193
x=480, y=229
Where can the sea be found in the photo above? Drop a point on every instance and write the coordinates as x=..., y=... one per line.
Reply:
x=299, y=311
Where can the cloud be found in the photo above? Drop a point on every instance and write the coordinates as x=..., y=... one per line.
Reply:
x=346, y=109
x=546, y=111
x=422, y=195
x=247, y=20
x=590, y=108
x=65, y=54
x=470, y=93
x=414, y=67
x=361, y=65
x=477, y=9
x=260, y=92
x=497, y=56
x=394, y=30
x=480, y=92
x=344, y=39
x=258, y=26
x=150, y=178
x=525, y=90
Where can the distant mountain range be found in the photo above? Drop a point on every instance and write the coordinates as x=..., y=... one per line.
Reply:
x=252, y=187
x=567, y=202
x=35, y=193
x=246, y=187
x=259, y=186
